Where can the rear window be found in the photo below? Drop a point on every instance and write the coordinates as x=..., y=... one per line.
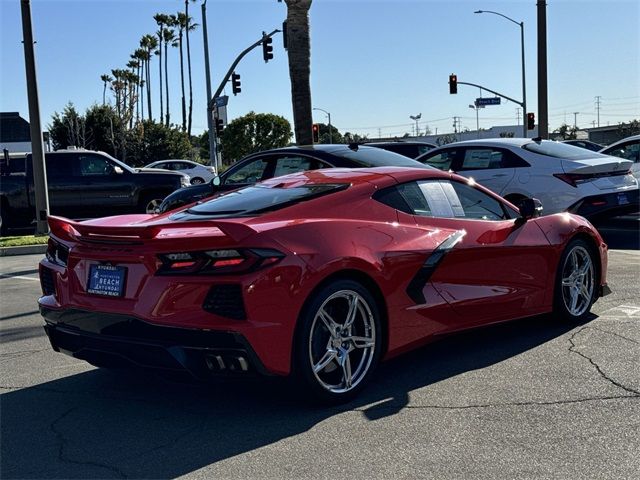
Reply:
x=258, y=199
x=377, y=157
x=560, y=150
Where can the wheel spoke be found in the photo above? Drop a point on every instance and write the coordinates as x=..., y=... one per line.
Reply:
x=345, y=363
x=574, y=299
x=351, y=314
x=326, y=359
x=567, y=282
x=328, y=322
x=584, y=291
x=361, y=342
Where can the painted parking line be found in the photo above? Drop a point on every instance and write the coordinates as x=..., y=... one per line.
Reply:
x=19, y=277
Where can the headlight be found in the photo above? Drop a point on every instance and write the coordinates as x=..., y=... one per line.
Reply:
x=184, y=181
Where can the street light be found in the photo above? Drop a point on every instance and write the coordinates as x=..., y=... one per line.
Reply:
x=329, y=117
x=475, y=107
x=416, y=118
x=524, y=88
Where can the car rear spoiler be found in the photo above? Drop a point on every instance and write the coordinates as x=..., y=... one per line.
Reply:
x=73, y=231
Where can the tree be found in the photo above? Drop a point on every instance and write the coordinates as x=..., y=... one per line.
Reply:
x=168, y=37
x=355, y=138
x=628, y=129
x=566, y=132
x=149, y=44
x=299, y=50
x=335, y=137
x=254, y=132
x=181, y=24
x=190, y=26
x=67, y=129
x=105, y=79
x=159, y=142
x=138, y=55
x=162, y=20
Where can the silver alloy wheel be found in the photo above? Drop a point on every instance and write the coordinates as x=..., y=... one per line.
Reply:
x=342, y=341
x=152, y=205
x=196, y=181
x=578, y=281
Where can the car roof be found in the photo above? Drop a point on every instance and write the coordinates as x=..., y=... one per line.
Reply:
x=376, y=175
x=399, y=142
x=515, y=142
x=624, y=140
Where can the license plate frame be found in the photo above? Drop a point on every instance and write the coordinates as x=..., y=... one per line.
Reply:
x=107, y=280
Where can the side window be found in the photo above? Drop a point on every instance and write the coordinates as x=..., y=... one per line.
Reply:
x=441, y=160
x=286, y=165
x=186, y=166
x=59, y=165
x=478, y=205
x=91, y=165
x=481, y=159
x=249, y=173
x=628, y=152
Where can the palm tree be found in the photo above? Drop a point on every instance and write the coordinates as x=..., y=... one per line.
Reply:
x=181, y=23
x=105, y=79
x=134, y=65
x=149, y=43
x=162, y=20
x=139, y=55
x=190, y=26
x=167, y=37
x=299, y=50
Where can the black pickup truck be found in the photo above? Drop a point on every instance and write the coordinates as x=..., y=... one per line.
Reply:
x=82, y=184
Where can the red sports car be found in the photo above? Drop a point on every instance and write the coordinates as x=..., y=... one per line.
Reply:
x=319, y=275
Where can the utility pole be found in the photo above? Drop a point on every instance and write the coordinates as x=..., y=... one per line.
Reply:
x=37, y=144
x=575, y=119
x=213, y=157
x=598, y=97
x=543, y=101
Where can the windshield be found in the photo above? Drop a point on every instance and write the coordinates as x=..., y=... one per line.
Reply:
x=377, y=157
x=560, y=150
x=259, y=199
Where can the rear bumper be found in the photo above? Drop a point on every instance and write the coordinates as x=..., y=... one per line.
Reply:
x=112, y=340
x=608, y=204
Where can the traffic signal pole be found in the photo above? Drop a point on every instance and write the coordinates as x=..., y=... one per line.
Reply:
x=37, y=144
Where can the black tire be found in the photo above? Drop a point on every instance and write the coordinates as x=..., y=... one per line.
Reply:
x=197, y=181
x=355, y=349
x=570, y=284
x=148, y=200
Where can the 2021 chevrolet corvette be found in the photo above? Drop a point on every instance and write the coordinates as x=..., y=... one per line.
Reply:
x=319, y=275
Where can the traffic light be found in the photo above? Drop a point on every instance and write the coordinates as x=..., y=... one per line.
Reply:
x=219, y=126
x=316, y=133
x=267, y=49
x=235, y=83
x=453, y=84
x=531, y=121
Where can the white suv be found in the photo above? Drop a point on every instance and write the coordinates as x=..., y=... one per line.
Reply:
x=561, y=176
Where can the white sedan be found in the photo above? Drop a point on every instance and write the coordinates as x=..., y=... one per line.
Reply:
x=197, y=172
x=561, y=176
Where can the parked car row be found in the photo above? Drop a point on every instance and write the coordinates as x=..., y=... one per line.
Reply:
x=83, y=184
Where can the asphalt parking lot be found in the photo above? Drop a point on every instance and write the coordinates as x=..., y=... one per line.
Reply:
x=529, y=399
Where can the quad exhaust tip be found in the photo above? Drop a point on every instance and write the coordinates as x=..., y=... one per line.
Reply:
x=227, y=363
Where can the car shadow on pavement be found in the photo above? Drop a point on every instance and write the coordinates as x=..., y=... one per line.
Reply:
x=103, y=424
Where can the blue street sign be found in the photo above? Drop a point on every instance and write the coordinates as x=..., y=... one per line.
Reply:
x=487, y=101
x=221, y=101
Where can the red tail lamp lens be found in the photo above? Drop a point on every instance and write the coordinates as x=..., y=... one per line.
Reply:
x=212, y=262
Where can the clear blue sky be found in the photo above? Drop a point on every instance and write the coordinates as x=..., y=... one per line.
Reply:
x=373, y=63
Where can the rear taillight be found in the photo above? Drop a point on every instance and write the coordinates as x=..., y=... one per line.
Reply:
x=217, y=262
x=574, y=179
x=57, y=253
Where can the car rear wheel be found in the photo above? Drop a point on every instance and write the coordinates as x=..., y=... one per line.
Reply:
x=197, y=181
x=576, y=281
x=339, y=342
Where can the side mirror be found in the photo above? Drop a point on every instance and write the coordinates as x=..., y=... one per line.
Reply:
x=530, y=208
x=118, y=170
x=216, y=181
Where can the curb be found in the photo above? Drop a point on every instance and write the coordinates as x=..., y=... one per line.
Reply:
x=22, y=250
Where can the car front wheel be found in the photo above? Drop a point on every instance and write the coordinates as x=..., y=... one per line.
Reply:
x=339, y=342
x=197, y=181
x=576, y=281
